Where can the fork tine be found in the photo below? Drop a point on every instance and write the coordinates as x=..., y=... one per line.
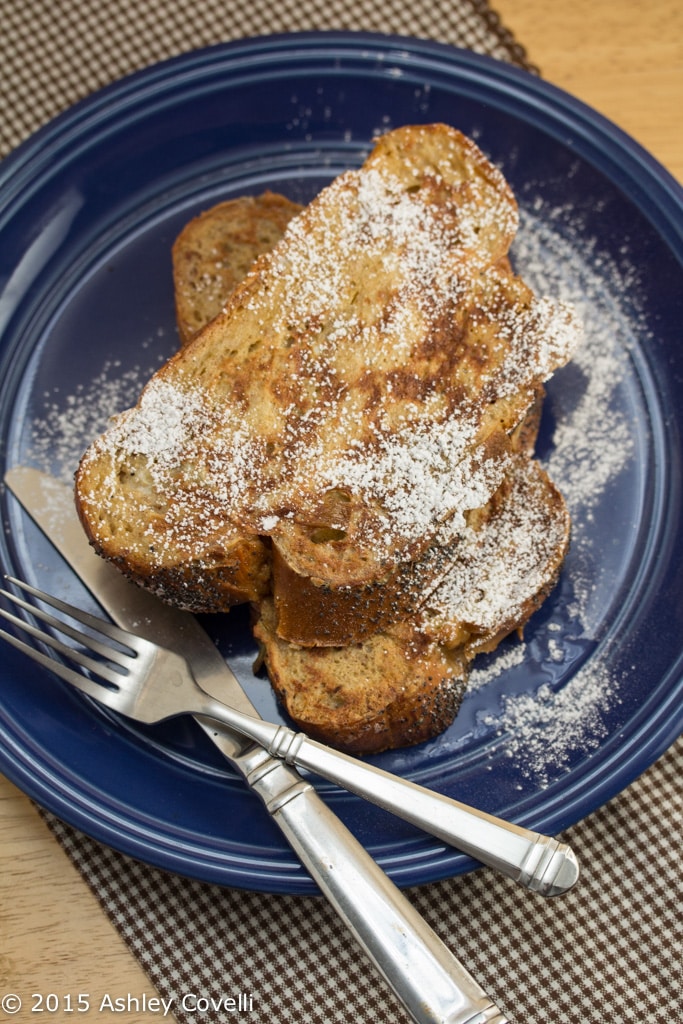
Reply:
x=64, y=627
x=76, y=679
x=98, y=668
x=102, y=669
x=121, y=636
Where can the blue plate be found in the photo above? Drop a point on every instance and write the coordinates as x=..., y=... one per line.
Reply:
x=553, y=725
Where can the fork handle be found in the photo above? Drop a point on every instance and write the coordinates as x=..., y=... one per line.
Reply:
x=431, y=983
x=538, y=862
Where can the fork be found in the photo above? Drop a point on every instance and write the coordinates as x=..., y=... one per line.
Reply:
x=137, y=678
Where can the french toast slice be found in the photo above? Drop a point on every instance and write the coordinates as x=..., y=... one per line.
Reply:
x=328, y=374
x=211, y=255
x=215, y=250
x=404, y=685
x=504, y=564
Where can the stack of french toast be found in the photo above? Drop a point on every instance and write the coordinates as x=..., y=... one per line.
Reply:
x=345, y=438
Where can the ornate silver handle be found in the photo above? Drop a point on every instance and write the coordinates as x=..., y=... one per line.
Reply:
x=535, y=861
x=430, y=982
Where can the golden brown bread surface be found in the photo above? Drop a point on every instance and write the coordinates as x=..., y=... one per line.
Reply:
x=329, y=445
x=329, y=590
x=404, y=684
x=216, y=249
x=210, y=256
x=394, y=689
x=311, y=613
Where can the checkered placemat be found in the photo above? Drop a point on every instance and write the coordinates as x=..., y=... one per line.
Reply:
x=609, y=952
x=55, y=52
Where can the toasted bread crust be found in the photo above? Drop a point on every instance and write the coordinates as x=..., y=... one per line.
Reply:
x=403, y=685
x=395, y=689
x=215, y=251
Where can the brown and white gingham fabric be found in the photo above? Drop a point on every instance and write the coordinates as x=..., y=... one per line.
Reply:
x=55, y=52
x=609, y=952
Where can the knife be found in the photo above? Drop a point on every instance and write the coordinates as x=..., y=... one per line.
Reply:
x=433, y=986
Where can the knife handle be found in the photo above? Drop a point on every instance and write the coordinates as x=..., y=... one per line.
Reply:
x=537, y=862
x=432, y=985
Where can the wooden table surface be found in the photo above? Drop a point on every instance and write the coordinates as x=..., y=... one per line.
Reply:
x=622, y=57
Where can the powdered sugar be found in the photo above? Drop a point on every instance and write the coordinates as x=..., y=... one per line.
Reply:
x=158, y=429
x=593, y=444
x=419, y=476
x=499, y=568
x=545, y=729
x=69, y=422
x=507, y=658
x=592, y=441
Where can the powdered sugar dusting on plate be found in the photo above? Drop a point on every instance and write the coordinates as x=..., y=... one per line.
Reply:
x=544, y=729
x=68, y=422
x=593, y=443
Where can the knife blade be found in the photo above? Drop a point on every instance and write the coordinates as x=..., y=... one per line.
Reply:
x=432, y=984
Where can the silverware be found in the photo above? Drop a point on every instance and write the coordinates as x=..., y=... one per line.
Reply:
x=150, y=683
x=433, y=986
